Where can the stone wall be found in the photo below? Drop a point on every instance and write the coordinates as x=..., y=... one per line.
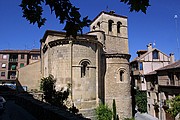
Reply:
x=44, y=111
x=117, y=89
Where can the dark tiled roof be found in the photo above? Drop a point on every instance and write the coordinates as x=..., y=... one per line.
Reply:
x=14, y=51
x=18, y=51
x=63, y=34
x=174, y=65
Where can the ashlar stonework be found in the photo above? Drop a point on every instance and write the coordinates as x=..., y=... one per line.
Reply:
x=96, y=64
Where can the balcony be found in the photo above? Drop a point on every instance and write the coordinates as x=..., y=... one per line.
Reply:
x=13, y=60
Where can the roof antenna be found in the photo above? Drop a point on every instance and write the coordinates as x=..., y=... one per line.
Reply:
x=154, y=43
x=107, y=8
x=33, y=47
x=176, y=22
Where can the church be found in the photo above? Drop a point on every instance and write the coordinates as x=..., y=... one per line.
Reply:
x=95, y=64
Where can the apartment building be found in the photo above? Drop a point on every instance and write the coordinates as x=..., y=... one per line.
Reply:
x=11, y=60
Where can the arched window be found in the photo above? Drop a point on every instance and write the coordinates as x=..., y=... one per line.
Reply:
x=110, y=23
x=121, y=75
x=84, y=69
x=118, y=26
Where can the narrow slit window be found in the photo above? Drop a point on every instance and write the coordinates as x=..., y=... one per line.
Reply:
x=121, y=75
x=84, y=69
x=98, y=24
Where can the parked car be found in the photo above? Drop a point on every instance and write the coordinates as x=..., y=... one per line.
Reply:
x=2, y=103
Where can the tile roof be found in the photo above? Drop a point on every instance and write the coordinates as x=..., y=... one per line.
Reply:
x=174, y=65
x=142, y=56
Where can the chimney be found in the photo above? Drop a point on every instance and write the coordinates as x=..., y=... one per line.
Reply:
x=112, y=12
x=149, y=46
x=171, y=57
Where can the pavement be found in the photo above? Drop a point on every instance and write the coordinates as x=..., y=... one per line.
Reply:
x=144, y=116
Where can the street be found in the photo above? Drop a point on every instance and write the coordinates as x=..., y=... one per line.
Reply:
x=144, y=116
x=15, y=112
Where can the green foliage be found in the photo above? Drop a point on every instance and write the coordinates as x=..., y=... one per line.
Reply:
x=174, y=104
x=114, y=110
x=137, y=5
x=56, y=98
x=103, y=112
x=141, y=101
x=63, y=10
x=74, y=110
x=52, y=96
x=48, y=87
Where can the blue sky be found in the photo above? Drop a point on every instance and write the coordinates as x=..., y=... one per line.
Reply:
x=158, y=25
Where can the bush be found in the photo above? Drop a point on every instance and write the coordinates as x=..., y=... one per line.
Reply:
x=141, y=101
x=103, y=112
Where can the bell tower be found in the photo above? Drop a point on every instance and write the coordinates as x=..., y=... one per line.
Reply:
x=112, y=31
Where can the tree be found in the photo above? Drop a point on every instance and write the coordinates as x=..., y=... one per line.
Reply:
x=115, y=116
x=103, y=112
x=65, y=11
x=52, y=96
x=141, y=101
x=174, y=104
x=137, y=5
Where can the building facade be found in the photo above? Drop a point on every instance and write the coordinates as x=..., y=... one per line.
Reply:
x=162, y=85
x=146, y=62
x=96, y=64
x=11, y=60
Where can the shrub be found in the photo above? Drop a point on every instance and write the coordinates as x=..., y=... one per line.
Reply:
x=103, y=112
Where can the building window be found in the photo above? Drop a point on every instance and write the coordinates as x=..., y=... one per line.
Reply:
x=3, y=65
x=140, y=66
x=34, y=57
x=155, y=54
x=98, y=24
x=121, y=75
x=4, y=57
x=2, y=74
x=84, y=69
x=110, y=23
x=21, y=65
x=22, y=56
x=118, y=26
x=13, y=67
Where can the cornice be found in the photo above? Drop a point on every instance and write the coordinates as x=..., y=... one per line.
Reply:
x=118, y=55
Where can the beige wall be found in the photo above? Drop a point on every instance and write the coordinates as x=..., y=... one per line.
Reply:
x=30, y=76
x=107, y=54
